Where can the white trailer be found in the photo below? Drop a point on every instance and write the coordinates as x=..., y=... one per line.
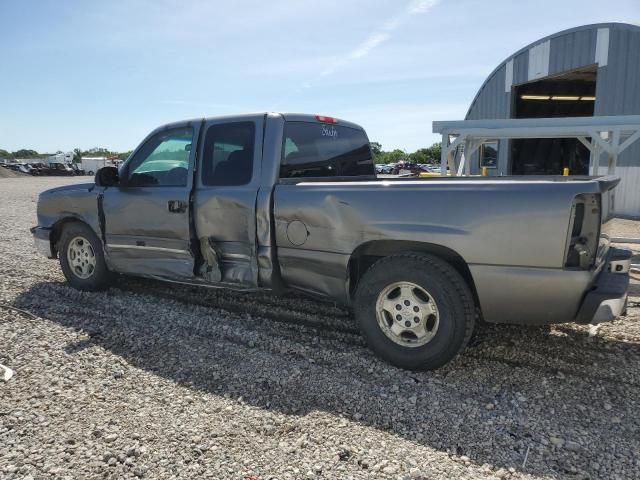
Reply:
x=91, y=165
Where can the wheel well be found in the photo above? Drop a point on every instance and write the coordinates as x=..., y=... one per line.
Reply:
x=57, y=228
x=367, y=254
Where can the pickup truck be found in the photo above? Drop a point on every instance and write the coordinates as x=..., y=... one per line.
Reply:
x=291, y=202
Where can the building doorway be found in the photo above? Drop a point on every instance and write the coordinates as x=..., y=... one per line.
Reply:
x=570, y=94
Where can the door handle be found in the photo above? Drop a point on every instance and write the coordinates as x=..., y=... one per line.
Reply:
x=177, y=206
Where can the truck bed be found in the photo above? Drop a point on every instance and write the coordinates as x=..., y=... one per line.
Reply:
x=508, y=230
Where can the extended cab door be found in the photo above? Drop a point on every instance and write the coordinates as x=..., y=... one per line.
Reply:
x=146, y=217
x=228, y=181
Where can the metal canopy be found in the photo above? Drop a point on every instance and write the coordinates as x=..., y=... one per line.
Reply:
x=610, y=134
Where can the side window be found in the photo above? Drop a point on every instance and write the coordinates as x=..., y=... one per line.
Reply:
x=162, y=161
x=319, y=150
x=228, y=154
x=489, y=154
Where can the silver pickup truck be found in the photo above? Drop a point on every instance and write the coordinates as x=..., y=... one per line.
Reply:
x=288, y=201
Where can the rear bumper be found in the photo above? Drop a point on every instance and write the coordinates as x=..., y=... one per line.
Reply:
x=607, y=298
x=42, y=241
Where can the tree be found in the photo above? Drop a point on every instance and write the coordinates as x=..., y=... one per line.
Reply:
x=77, y=155
x=427, y=155
x=376, y=148
x=24, y=153
x=396, y=156
x=4, y=154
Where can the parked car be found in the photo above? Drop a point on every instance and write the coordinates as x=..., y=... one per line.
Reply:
x=39, y=168
x=291, y=202
x=77, y=170
x=22, y=168
x=408, y=168
x=383, y=169
x=60, y=169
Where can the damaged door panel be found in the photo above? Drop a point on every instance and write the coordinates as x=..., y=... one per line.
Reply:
x=225, y=199
x=146, y=216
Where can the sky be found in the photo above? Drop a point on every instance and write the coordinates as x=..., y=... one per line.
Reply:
x=105, y=73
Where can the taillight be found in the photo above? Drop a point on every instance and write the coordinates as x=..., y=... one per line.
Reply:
x=584, y=228
x=325, y=119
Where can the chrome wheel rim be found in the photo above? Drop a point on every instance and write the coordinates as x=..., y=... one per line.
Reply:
x=407, y=314
x=81, y=257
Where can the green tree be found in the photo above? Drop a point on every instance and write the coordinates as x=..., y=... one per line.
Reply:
x=427, y=155
x=124, y=155
x=24, y=153
x=434, y=152
x=4, y=154
x=396, y=156
x=77, y=155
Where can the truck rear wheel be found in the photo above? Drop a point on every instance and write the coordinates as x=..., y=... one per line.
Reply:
x=415, y=310
x=82, y=258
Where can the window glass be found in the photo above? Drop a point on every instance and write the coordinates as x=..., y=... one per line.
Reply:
x=489, y=154
x=228, y=154
x=324, y=150
x=163, y=160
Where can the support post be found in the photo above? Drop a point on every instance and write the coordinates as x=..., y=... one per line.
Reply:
x=447, y=154
x=444, y=153
x=594, y=160
x=470, y=147
x=463, y=161
x=613, y=155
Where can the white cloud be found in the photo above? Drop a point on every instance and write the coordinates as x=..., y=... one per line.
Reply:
x=415, y=7
x=421, y=6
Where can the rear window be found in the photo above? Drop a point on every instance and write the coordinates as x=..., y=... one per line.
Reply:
x=324, y=150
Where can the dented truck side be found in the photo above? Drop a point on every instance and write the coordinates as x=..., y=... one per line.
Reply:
x=288, y=201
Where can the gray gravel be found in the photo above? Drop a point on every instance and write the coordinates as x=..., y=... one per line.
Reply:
x=153, y=380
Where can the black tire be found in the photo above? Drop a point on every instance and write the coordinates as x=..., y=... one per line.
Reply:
x=446, y=287
x=100, y=277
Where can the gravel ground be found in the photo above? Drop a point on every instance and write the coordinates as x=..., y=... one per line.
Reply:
x=156, y=381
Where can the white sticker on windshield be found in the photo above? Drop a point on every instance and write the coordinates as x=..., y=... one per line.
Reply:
x=329, y=131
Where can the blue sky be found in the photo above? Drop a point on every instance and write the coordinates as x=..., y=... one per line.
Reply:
x=105, y=73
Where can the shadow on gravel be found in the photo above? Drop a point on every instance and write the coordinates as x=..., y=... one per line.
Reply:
x=503, y=400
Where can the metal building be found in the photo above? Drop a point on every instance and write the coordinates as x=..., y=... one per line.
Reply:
x=593, y=70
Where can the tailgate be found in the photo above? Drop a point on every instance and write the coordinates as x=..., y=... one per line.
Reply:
x=590, y=226
x=607, y=201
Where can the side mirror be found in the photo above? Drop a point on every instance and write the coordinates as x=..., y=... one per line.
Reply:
x=107, y=177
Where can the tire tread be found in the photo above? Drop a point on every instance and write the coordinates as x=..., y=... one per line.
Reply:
x=446, y=270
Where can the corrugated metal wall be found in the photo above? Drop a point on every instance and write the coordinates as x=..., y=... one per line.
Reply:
x=615, y=48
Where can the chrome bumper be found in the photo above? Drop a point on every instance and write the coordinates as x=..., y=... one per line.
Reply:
x=607, y=298
x=42, y=241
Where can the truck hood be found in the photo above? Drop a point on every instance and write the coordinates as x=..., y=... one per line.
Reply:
x=69, y=188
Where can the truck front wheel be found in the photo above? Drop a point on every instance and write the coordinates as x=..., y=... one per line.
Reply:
x=82, y=258
x=415, y=310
